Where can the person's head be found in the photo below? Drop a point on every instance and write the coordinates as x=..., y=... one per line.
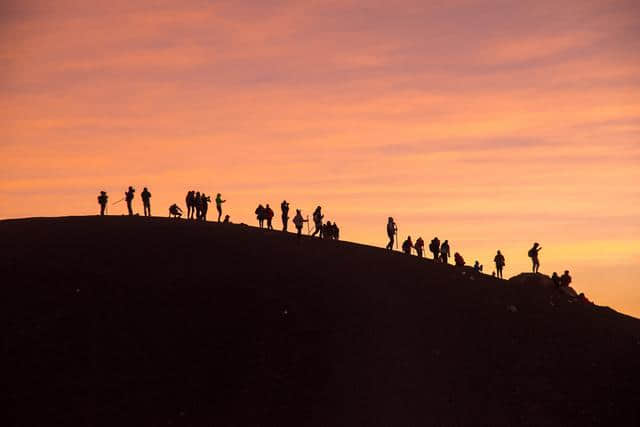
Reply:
x=267, y=204
x=446, y=241
x=297, y=211
x=408, y=237
x=103, y=192
x=536, y=244
x=328, y=223
x=218, y=194
x=197, y=193
x=566, y=272
x=390, y=219
x=555, y=274
x=499, y=252
x=145, y=188
x=131, y=188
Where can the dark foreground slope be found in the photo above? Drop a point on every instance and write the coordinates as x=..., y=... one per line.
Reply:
x=129, y=321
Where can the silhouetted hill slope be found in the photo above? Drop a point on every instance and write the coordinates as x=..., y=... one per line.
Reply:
x=149, y=322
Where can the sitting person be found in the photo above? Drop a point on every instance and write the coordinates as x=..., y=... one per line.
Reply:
x=477, y=266
x=226, y=220
x=175, y=211
x=459, y=261
x=556, y=280
x=565, y=279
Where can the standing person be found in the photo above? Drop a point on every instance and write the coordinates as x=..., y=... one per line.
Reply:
x=197, y=205
x=204, y=206
x=445, y=252
x=336, y=231
x=419, y=245
x=128, y=197
x=299, y=221
x=219, y=203
x=190, y=201
x=407, y=245
x=284, y=207
x=533, y=254
x=268, y=214
x=146, y=201
x=317, y=221
x=500, y=262
x=434, y=247
x=102, y=201
x=260, y=215
x=392, y=229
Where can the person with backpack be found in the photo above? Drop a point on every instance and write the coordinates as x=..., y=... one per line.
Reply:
x=102, y=201
x=477, y=267
x=458, y=260
x=434, y=247
x=204, y=206
x=445, y=252
x=533, y=254
x=317, y=221
x=284, y=207
x=268, y=215
x=327, y=230
x=500, y=262
x=336, y=231
x=299, y=221
x=260, y=215
x=419, y=245
x=407, y=245
x=190, y=201
x=219, y=203
x=392, y=230
x=146, y=201
x=565, y=279
x=128, y=197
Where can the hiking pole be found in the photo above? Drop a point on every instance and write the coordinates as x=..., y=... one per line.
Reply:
x=308, y=231
x=396, y=238
x=115, y=203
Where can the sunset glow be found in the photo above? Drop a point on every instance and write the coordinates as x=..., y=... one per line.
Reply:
x=491, y=124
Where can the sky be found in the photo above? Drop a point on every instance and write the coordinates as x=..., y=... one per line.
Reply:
x=492, y=124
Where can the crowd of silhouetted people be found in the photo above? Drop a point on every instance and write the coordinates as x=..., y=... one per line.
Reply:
x=197, y=204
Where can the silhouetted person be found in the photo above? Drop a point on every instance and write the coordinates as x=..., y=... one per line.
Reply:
x=392, y=229
x=419, y=245
x=327, y=230
x=197, y=205
x=284, y=207
x=533, y=254
x=190, y=201
x=565, y=279
x=317, y=221
x=226, y=220
x=260, y=215
x=268, y=215
x=500, y=262
x=434, y=247
x=299, y=221
x=557, y=282
x=407, y=245
x=336, y=231
x=146, y=201
x=458, y=260
x=477, y=266
x=128, y=197
x=175, y=211
x=102, y=201
x=204, y=206
x=445, y=252
x=219, y=203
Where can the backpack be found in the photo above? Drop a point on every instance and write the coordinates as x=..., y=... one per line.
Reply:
x=532, y=252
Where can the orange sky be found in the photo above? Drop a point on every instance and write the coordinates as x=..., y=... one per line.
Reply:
x=492, y=124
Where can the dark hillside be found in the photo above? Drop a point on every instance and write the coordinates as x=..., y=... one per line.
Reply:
x=149, y=322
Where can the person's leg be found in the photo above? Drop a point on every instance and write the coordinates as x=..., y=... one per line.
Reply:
x=219, y=212
x=129, y=208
